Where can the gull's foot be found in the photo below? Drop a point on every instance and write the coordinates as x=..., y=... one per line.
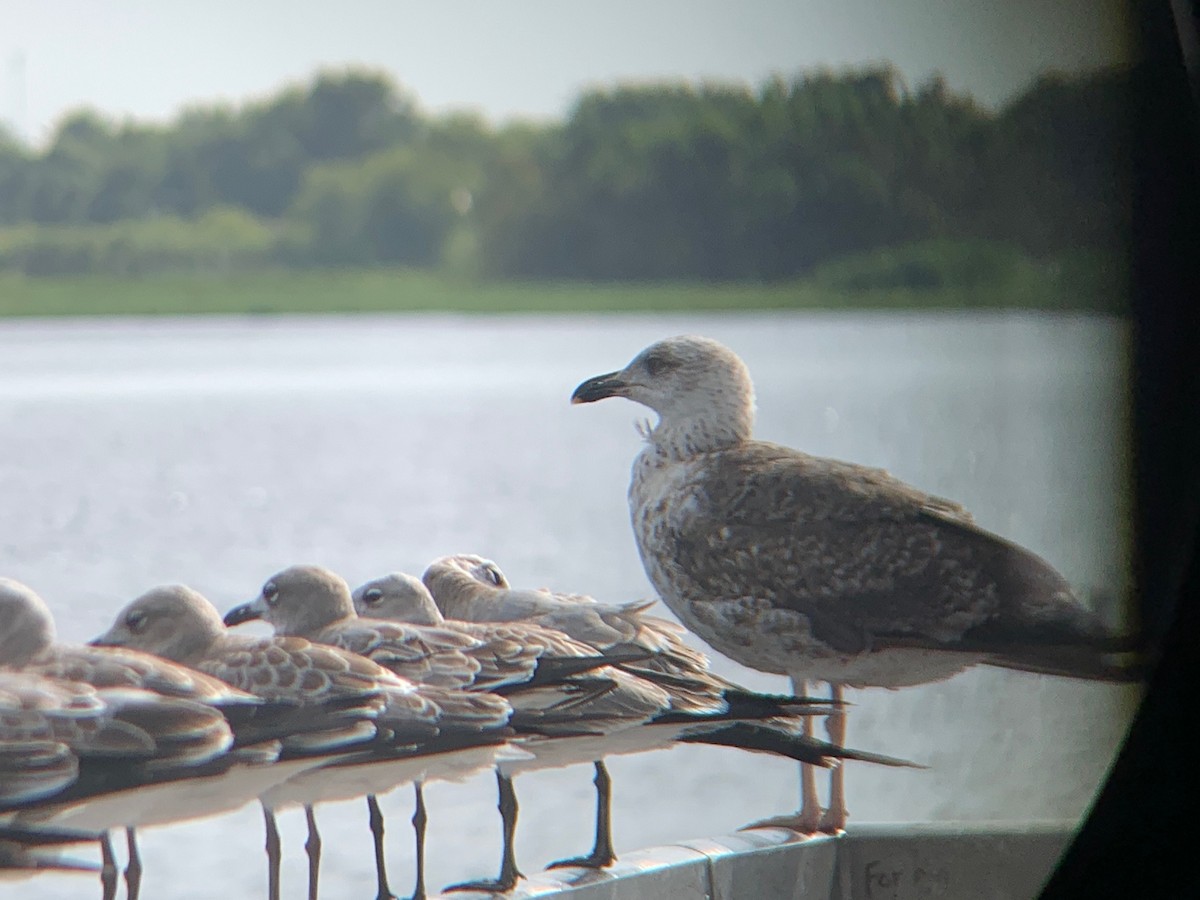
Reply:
x=487, y=886
x=802, y=822
x=833, y=822
x=591, y=861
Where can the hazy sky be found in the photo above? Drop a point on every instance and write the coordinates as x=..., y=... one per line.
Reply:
x=149, y=58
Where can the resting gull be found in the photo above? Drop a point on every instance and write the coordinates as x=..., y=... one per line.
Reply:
x=825, y=570
x=64, y=744
x=140, y=796
x=414, y=732
x=699, y=709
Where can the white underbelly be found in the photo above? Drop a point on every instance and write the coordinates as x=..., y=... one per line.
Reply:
x=780, y=642
x=175, y=801
x=888, y=668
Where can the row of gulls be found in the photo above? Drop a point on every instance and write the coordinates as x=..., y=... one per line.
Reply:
x=169, y=715
x=824, y=570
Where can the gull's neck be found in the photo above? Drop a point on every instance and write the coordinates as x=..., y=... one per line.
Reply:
x=198, y=643
x=682, y=436
x=452, y=592
x=318, y=617
x=426, y=613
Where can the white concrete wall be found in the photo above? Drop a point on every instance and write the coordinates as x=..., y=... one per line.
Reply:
x=990, y=861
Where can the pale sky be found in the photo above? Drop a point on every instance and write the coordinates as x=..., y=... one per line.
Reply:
x=147, y=59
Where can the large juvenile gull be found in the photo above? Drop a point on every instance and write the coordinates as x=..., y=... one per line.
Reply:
x=566, y=697
x=700, y=708
x=407, y=722
x=820, y=569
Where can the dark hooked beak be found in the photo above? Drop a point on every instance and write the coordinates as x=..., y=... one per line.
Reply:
x=600, y=387
x=244, y=613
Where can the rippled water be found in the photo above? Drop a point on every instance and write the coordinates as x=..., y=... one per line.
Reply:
x=217, y=451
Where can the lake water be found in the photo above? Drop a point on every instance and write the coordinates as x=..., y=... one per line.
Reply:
x=217, y=451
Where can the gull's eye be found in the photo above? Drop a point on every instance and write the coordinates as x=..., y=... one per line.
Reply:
x=372, y=596
x=270, y=593
x=658, y=363
x=492, y=574
x=135, y=621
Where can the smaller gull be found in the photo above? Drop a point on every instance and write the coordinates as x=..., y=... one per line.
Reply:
x=67, y=744
x=398, y=731
x=699, y=708
x=144, y=795
x=819, y=569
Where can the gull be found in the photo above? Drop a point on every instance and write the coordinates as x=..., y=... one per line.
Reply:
x=699, y=707
x=223, y=783
x=470, y=587
x=567, y=699
x=67, y=745
x=411, y=732
x=820, y=569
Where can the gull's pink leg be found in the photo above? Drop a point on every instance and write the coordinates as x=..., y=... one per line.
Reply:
x=808, y=819
x=834, y=819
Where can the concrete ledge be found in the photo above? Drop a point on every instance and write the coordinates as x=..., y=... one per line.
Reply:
x=995, y=860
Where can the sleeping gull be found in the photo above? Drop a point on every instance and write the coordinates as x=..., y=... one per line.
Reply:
x=700, y=708
x=408, y=724
x=567, y=698
x=820, y=569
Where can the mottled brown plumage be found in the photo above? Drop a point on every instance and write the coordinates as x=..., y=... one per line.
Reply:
x=840, y=563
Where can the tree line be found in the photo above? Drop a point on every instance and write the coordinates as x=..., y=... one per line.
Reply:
x=665, y=181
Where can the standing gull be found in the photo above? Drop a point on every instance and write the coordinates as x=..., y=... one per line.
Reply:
x=407, y=724
x=820, y=569
x=700, y=708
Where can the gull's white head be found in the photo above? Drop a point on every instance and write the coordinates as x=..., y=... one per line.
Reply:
x=26, y=626
x=397, y=597
x=299, y=602
x=172, y=621
x=700, y=389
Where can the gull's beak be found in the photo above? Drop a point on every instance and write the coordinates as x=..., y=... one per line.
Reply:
x=104, y=640
x=600, y=387
x=247, y=612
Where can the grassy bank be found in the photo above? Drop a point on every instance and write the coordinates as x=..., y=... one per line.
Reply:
x=402, y=291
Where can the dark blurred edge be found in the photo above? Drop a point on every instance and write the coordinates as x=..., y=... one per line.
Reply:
x=1137, y=841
